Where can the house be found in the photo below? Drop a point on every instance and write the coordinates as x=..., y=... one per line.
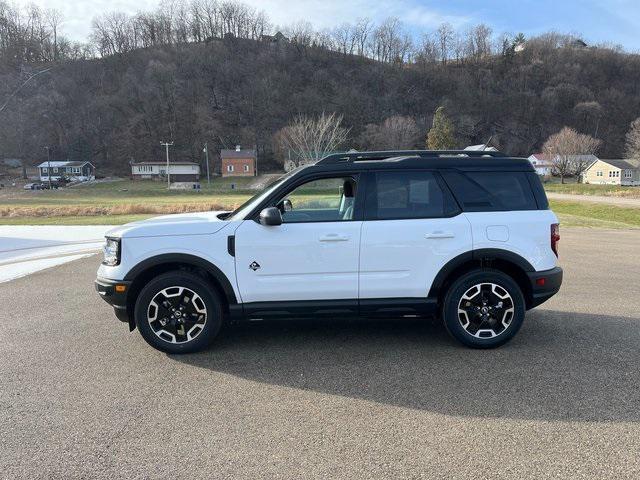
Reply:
x=542, y=163
x=239, y=162
x=73, y=171
x=483, y=147
x=613, y=172
x=277, y=38
x=179, y=172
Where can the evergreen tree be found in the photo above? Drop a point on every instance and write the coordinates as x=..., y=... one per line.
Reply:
x=441, y=136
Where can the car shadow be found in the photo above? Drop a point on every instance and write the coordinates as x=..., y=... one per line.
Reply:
x=561, y=365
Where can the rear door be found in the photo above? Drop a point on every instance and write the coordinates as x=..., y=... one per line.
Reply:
x=412, y=228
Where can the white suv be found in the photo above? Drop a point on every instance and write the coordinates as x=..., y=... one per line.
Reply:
x=466, y=235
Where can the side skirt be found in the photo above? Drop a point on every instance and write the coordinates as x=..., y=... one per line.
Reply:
x=350, y=308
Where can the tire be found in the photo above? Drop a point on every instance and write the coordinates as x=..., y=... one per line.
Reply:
x=178, y=312
x=483, y=309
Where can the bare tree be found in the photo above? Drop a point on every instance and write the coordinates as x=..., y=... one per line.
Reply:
x=395, y=133
x=445, y=40
x=308, y=139
x=632, y=144
x=362, y=30
x=569, y=152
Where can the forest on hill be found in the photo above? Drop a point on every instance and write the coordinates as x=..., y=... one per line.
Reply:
x=139, y=81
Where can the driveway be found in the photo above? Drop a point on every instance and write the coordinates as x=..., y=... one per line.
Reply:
x=81, y=397
x=26, y=249
x=618, y=201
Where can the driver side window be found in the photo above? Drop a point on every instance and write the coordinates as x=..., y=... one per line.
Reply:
x=321, y=200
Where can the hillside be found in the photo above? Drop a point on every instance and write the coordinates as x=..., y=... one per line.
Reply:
x=240, y=91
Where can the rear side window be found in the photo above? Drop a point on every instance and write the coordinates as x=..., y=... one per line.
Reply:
x=408, y=194
x=491, y=191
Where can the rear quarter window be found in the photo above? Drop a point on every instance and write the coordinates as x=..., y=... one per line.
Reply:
x=491, y=191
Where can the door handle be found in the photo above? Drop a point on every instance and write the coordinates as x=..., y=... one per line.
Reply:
x=334, y=237
x=436, y=235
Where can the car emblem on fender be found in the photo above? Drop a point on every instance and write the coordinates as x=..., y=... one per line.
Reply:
x=254, y=266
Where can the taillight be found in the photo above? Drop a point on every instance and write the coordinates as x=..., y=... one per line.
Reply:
x=555, y=237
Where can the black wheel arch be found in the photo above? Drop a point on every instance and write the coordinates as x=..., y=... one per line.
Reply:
x=506, y=261
x=151, y=267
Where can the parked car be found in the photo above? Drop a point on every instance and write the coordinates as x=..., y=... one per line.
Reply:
x=32, y=186
x=464, y=235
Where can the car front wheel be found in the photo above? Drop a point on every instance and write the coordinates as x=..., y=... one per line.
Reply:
x=483, y=309
x=178, y=312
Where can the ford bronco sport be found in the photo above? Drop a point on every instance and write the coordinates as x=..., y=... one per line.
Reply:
x=465, y=235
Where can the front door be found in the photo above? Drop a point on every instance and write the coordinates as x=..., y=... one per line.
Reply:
x=312, y=256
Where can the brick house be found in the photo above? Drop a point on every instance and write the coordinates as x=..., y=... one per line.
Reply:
x=239, y=162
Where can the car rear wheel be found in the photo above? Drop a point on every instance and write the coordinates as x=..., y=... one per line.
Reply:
x=178, y=312
x=483, y=309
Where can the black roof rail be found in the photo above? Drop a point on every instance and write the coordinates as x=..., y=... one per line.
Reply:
x=382, y=155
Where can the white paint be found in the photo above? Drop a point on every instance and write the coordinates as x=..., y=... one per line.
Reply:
x=298, y=261
x=26, y=249
x=22, y=269
x=400, y=258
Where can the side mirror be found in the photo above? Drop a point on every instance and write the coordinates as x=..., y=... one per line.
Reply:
x=270, y=217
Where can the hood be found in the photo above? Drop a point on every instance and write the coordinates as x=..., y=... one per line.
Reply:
x=199, y=223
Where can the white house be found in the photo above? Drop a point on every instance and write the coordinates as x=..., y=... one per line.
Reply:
x=74, y=171
x=178, y=171
x=542, y=163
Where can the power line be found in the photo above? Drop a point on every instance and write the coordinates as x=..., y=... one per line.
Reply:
x=167, y=145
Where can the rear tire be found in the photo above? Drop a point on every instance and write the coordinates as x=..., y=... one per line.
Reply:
x=178, y=312
x=483, y=309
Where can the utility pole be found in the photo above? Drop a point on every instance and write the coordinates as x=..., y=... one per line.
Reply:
x=166, y=146
x=48, y=165
x=206, y=154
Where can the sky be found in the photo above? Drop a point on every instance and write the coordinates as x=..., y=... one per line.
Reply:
x=597, y=21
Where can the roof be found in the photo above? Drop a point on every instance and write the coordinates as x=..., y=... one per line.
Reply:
x=242, y=153
x=164, y=163
x=481, y=148
x=541, y=157
x=63, y=164
x=626, y=164
x=456, y=159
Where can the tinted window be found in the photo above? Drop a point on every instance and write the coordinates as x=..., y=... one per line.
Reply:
x=488, y=191
x=407, y=194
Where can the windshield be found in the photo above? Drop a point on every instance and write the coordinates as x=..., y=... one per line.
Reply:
x=243, y=210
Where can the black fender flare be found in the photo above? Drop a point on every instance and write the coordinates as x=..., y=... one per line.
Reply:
x=186, y=259
x=473, y=256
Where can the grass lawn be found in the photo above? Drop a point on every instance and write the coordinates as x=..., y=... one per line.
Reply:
x=578, y=214
x=115, y=203
x=583, y=189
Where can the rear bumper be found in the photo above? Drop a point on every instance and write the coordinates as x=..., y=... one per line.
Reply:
x=544, y=285
x=106, y=288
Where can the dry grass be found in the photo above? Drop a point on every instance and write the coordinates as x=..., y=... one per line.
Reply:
x=124, y=209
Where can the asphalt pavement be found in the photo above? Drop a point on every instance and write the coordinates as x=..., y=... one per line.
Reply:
x=81, y=397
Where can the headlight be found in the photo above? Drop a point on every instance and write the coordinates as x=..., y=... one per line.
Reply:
x=111, y=251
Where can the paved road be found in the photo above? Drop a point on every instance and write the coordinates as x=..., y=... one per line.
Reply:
x=80, y=397
x=618, y=201
x=25, y=249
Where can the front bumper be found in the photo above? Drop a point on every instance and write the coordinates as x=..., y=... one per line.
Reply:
x=116, y=297
x=544, y=285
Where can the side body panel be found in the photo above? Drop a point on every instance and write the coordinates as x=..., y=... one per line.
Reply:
x=525, y=233
x=211, y=248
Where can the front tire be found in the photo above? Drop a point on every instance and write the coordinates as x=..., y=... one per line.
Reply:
x=178, y=312
x=483, y=309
